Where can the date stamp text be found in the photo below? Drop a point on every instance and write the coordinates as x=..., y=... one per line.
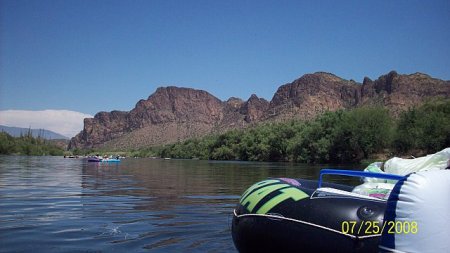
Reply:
x=377, y=227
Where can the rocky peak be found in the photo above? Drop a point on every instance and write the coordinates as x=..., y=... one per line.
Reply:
x=234, y=102
x=367, y=81
x=254, y=108
x=400, y=92
x=420, y=75
x=307, y=85
x=169, y=104
x=312, y=94
x=386, y=82
x=329, y=77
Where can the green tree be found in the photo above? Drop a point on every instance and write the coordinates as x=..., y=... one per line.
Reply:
x=425, y=128
x=365, y=130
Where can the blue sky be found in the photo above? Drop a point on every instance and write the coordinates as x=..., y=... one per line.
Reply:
x=90, y=55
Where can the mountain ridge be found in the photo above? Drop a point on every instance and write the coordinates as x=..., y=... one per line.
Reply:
x=44, y=133
x=173, y=113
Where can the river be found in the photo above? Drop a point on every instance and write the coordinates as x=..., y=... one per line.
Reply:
x=52, y=204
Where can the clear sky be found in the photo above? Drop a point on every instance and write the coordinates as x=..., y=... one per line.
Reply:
x=89, y=55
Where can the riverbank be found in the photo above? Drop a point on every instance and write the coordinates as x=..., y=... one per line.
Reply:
x=28, y=145
x=334, y=137
x=350, y=136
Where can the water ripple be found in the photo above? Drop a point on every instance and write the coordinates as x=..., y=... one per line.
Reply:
x=51, y=204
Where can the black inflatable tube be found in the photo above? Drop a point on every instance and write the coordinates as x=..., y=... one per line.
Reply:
x=313, y=222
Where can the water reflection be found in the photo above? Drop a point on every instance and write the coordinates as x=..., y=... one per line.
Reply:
x=69, y=205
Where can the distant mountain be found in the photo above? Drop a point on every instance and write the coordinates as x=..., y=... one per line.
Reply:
x=174, y=114
x=46, y=134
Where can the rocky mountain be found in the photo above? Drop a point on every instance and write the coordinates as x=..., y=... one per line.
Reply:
x=313, y=94
x=173, y=114
x=168, y=115
x=400, y=92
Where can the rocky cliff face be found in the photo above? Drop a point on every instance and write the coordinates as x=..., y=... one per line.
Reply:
x=170, y=114
x=173, y=114
x=103, y=127
x=254, y=109
x=313, y=94
x=400, y=92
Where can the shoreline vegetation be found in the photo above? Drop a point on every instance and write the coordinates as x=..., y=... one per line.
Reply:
x=27, y=144
x=344, y=136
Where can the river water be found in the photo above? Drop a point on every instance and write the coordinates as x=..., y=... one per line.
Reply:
x=52, y=204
